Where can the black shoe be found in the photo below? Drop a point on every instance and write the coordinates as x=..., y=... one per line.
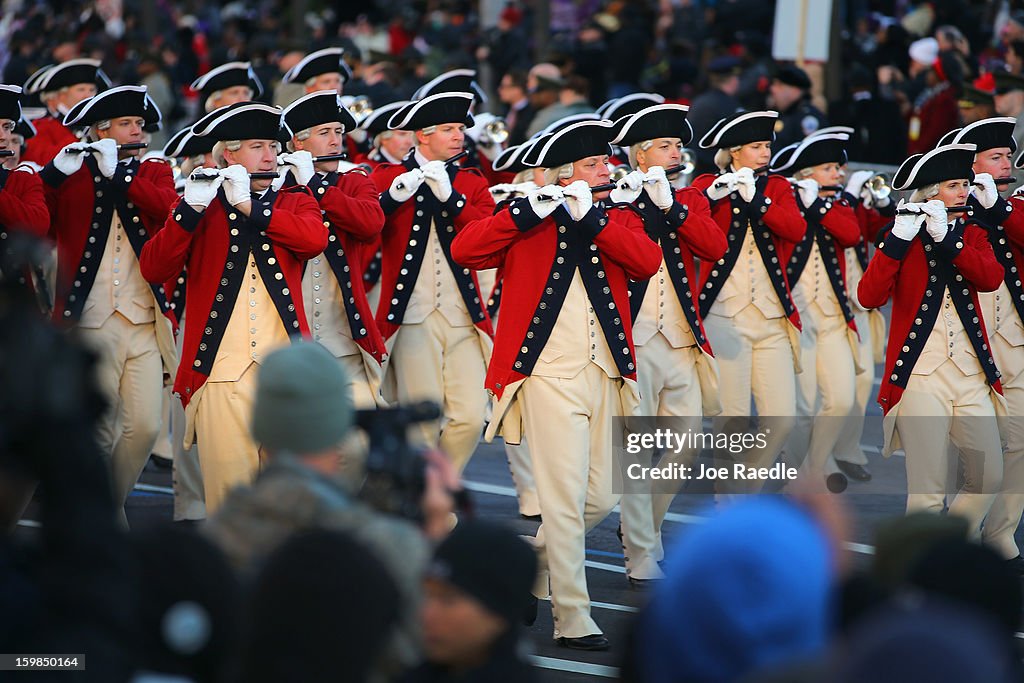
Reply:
x=531, y=518
x=618, y=532
x=530, y=613
x=593, y=642
x=1017, y=565
x=854, y=471
x=161, y=462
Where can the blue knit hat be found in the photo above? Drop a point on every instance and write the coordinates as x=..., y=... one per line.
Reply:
x=746, y=590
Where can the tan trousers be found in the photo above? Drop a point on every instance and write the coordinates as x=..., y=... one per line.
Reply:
x=130, y=376
x=755, y=357
x=1006, y=511
x=227, y=453
x=569, y=427
x=669, y=387
x=943, y=408
x=848, y=448
x=828, y=371
x=187, y=475
x=163, y=447
x=518, y=456
x=434, y=361
x=356, y=445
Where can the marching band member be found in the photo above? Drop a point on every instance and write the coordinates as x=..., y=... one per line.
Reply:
x=22, y=202
x=431, y=311
x=816, y=272
x=941, y=385
x=744, y=297
x=227, y=84
x=1002, y=311
x=60, y=88
x=563, y=365
x=243, y=243
x=338, y=314
x=676, y=373
x=105, y=206
x=321, y=70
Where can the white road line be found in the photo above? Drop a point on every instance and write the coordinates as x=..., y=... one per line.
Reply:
x=605, y=566
x=608, y=605
x=574, y=667
x=31, y=523
x=149, y=488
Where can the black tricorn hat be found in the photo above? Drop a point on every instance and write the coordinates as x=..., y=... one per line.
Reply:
x=25, y=129
x=434, y=110
x=659, y=121
x=985, y=134
x=454, y=80
x=740, y=129
x=71, y=72
x=318, y=108
x=124, y=100
x=1007, y=82
x=317, y=63
x=616, y=108
x=228, y=76
x=948, y=162
x=377, y=122
x=575, y=142
x=244, y=121
x=511, y=158
x=10, y=102
x=811, y=151
x=186, y=143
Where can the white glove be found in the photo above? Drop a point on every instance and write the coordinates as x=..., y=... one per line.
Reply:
x=627, y=189
x=199, y=193
x=525, y=187
x=722, y=186
x=300, y=164
x=68, y=163
x=808, y=190
x=105, y=152
x=856, y=182
x=746, y=183
x=345, y=166
x=436, y=177
x=544, y=200
x=908, y=225
x=236, y=184
x=659, y=188
x=936, y=221
x=403, y=187
x=578, y=199
x=985, y=189
x=503, y=191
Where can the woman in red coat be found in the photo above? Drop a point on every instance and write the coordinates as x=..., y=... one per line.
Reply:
x=941, y=385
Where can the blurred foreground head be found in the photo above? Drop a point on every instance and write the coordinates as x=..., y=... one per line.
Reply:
x=747, y=590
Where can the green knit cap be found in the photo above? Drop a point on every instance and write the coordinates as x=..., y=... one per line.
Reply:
x=303, y=400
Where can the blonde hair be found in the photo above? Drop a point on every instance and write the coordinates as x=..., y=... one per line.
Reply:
x=638, y=147
x=723, y=157
x=803, y=173
x=219, y=149
x=553, y=175
x=923, y=194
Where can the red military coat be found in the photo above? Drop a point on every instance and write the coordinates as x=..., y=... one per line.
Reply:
x=23, y=202
x=293, y=231
x=470, y=200
x=530, y=251
x=902, y=270
x=51, y=137
x=775, y=204
x=146, y=187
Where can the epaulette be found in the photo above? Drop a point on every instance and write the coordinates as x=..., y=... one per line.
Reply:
x=26, y=167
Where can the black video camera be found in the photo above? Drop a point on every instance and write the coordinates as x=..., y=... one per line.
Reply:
x=395, y=471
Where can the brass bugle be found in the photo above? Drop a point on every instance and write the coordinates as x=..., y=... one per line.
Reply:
x=949, y=209
x=6, y=152
x=128, y=146
x=757, y=171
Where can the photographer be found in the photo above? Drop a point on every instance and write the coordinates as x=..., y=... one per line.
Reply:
x=302, y=412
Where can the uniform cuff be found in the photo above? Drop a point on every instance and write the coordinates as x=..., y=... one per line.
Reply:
x=523, y=214
x=454, y=205
x=676, y=215
x=123, y=176
x=259, y=214
x=593, y=222
x=186, y=217
x=953, y=243
x=388, y=203
x=894, y=247
x=51, y=176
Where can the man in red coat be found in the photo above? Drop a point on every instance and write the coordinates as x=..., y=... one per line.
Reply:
x=1002, y=311
x=332, y=286
x=243, y=244
x=431, y=310
x=104, y=207
x=563, y=365
x=676, y=371
x=935, y=110
x=941, y=385
x=60, y=88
